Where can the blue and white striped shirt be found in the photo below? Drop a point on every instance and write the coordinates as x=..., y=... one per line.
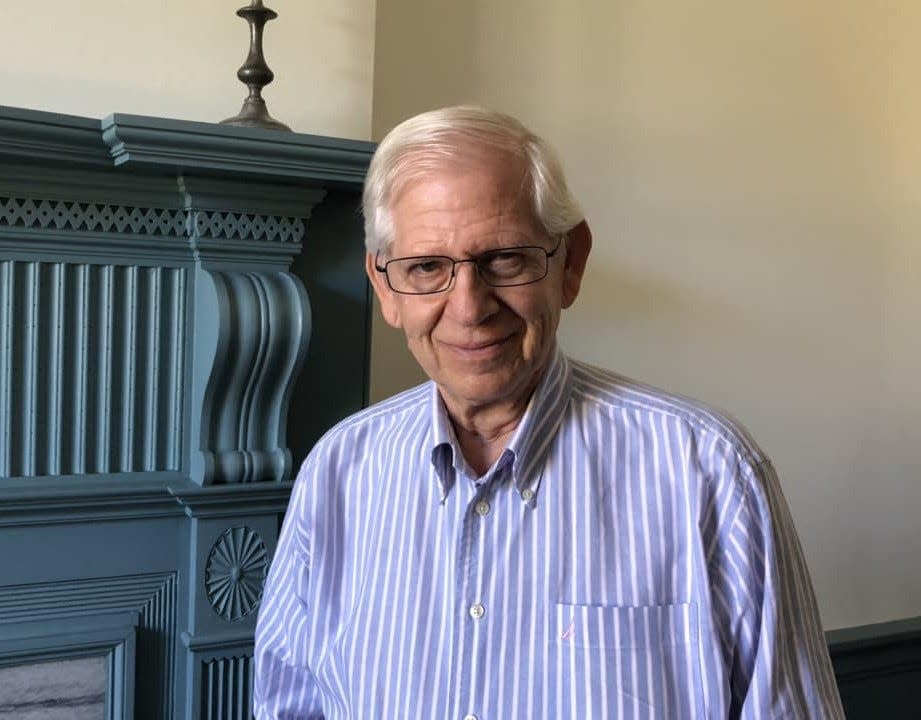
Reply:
x=629, y=555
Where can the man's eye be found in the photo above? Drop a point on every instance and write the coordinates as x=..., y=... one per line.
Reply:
x=426, y=267
x=506, y=262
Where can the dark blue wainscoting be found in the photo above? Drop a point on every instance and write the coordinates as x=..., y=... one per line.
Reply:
x=878, y=668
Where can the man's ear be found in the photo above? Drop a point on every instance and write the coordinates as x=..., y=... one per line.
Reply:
x=578, y=246
x=390, y=308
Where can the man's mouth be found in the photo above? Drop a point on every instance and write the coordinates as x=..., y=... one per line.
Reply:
x=479, y=348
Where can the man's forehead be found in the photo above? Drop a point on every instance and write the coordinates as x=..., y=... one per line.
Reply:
x=460, y=159
x=430, y=240
x=476, y=193
x=435, y=208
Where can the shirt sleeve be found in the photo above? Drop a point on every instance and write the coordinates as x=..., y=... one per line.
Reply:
x=284, y=686
x=773, y=639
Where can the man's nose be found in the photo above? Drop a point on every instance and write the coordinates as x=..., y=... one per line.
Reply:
x=470, y=299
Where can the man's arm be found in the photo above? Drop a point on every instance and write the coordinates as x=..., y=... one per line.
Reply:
x=284, y=687
x=766, y=609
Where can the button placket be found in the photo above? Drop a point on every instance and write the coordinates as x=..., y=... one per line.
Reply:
x=472, y=584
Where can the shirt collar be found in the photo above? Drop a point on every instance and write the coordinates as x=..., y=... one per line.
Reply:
x=527, y=450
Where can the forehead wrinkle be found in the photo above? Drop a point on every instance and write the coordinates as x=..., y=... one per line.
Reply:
x=509, y=213
x=420, y=166
x=439, y=239
x=444, y=218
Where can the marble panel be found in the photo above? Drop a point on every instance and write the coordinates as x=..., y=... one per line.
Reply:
x=59, y=690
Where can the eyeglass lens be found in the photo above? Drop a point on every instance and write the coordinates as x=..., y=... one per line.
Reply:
x=500, y=268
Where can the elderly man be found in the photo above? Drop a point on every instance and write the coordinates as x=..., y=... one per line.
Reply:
x=525, y=536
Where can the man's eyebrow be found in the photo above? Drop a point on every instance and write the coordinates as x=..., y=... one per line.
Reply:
x=489, y=241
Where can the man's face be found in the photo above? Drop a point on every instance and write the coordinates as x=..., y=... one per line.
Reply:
x=482, y=345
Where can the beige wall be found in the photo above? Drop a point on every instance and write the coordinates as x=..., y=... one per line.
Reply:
x=179, y=58
x=752, y=173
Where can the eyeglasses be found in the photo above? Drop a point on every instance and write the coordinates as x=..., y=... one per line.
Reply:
x=502, y=267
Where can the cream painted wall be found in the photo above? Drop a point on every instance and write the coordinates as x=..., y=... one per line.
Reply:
x=752, y=173
x=179, y=58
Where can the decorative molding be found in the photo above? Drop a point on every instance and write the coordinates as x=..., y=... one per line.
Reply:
x=227, y=688
x=132, y=496
x=138, y=140
x=53, y=246
x=112, y=636
x=235, y=573
x=44, y=214
x=260, y=197
x=34, y=641
x=86, y=597
x=92, y=360
x=150, y=598
x=73, y=229
x=121, y=139
x=244, y=226
x=222, y=501
x=247, y=365
x=156, y=659
x=231, y=640
x=32, y=134
x=98, y=218
x=89, y=498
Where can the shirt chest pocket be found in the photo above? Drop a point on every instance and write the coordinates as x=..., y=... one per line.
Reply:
x=629, y=662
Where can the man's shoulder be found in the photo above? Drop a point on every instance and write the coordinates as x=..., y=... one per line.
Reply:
x=613, y=393
x=389, y=416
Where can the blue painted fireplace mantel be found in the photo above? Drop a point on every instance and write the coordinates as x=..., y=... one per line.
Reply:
x=183, y=312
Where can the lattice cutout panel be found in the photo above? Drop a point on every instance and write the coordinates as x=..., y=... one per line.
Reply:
x=38, y=214
x=91, y=217
x=247, y=226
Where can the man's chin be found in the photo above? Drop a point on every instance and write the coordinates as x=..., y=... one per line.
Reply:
x=485, y=389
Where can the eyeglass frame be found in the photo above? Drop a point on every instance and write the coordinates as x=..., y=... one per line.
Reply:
x=475, y=260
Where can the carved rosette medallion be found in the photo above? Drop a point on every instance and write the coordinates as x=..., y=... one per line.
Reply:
x=235, y=573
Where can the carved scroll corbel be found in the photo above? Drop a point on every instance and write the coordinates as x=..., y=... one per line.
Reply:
x=252, y=330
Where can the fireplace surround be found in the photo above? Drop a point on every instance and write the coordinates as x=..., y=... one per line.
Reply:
x=183, y=312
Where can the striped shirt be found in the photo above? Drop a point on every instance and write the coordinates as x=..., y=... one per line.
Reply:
x=629, y=555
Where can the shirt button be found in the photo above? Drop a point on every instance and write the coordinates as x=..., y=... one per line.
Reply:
x=470, y=716
x=482, y=508
x=527, y=494
x=477, y=611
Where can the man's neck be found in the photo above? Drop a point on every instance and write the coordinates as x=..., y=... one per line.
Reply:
x=483, y=429
x=483, y=433
x=482, y=450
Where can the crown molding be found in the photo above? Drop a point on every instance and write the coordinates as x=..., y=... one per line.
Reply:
x=165, y=146
x=159, y=143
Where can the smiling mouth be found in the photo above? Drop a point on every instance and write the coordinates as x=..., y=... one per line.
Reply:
x=479, y=347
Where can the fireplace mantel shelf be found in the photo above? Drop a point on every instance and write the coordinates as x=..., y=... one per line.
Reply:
x=167, y=144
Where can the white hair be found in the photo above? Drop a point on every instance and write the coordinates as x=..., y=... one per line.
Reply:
x=427, y=141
